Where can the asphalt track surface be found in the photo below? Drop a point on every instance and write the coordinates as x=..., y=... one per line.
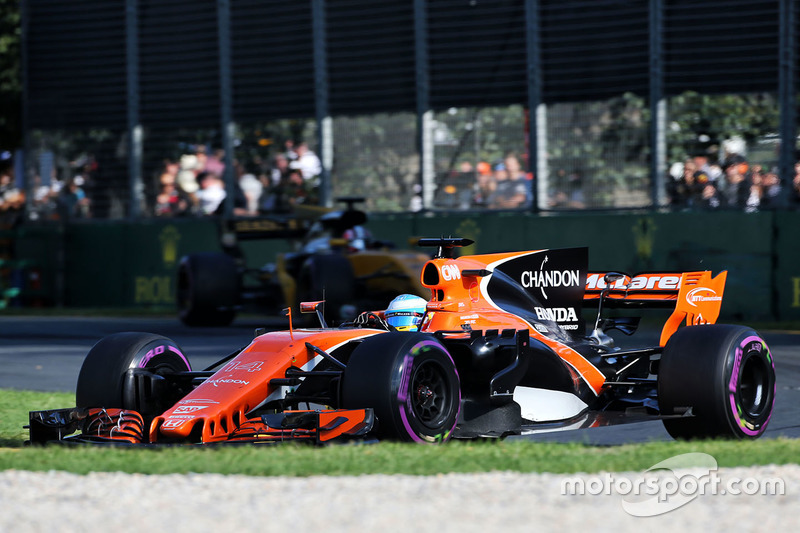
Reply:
x=46, y=353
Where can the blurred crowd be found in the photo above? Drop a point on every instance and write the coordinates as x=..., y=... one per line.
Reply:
x=732, y=183
x=57, y=200
x=193, y=185
x=501, y=185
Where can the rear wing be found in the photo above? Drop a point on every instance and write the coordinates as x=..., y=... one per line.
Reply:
x=695, y=296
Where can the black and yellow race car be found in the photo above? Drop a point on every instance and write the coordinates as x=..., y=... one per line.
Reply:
x=336, y=260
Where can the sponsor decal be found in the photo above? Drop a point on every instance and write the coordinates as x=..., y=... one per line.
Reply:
x=153, y=290
x=188, y=417
x=701, y=294
x=656, y=282
x=557, y=314
x=450, y=272
x=553, y=280
x=543, y=279
x=644, y=231
x=198, y=400
x=169, y=238
x=541, y=328
x=643, y=281
x=189, y=408
x=173, y=423
x=253, y=366
x=229, y=380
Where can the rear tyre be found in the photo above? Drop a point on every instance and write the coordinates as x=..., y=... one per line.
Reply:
x=102, y=383
x=410, y=381
x=327, y=277
x=725, y=374
x=208, y=289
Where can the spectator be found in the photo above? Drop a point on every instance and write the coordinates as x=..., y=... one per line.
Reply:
x=518, y=176
x=215, y=163
x=709, y=197
x=291, y=154
x=211, y=193
x=12, y=199
x=292, y=190
x=201, y=158
x=794, y=199
x=734, y=152
x=279, y=170
x=485, y=185
x=249, y=190
x=307, y=161
x=298, y=190
x=771, y=190
x=171, y=200
x=753, y=202
x=72, y=201
x=689, y=189
x=703, y=167
x=736, y=188
x=44, y=205
x=508, y=194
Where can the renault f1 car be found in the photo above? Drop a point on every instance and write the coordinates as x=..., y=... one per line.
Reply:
x=336, y=260
x=502, y=350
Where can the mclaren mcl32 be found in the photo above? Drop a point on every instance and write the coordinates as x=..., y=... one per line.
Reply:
x=502, y=350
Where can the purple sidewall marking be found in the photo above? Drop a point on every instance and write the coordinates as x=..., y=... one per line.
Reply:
x=404, y=394
x=734, y=380
x=152, y=353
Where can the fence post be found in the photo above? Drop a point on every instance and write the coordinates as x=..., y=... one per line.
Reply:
x=26, y=137
x=226, y=102
x=321, y=97
x=427, y=171
x=134, y=126
x=537, y=111
x=658, y=106
x=787, y=83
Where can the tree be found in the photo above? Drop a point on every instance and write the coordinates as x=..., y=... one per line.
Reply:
x=10, y=75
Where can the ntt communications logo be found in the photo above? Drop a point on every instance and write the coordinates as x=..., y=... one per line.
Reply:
x=670, y=484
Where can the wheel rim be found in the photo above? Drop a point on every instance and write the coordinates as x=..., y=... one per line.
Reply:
x=430, y=398
x=754, y=387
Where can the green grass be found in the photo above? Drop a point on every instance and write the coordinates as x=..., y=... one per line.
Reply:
x=383, y=458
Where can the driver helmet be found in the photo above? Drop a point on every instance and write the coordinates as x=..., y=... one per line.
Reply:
x=405, y=313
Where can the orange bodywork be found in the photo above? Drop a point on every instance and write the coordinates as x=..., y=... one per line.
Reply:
x=460, y=301
x=460, y=298
x=699, y=301
x=219, y=405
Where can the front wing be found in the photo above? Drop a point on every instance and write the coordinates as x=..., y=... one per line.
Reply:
x=121, y=426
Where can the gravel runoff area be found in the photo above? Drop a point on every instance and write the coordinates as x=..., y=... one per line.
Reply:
x=502, y=501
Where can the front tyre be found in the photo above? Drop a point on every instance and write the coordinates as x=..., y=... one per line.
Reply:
x=410, y=381
x=102, y=380
x=725, y=373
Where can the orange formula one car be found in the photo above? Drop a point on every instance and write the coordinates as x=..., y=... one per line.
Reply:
x=500, y=350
